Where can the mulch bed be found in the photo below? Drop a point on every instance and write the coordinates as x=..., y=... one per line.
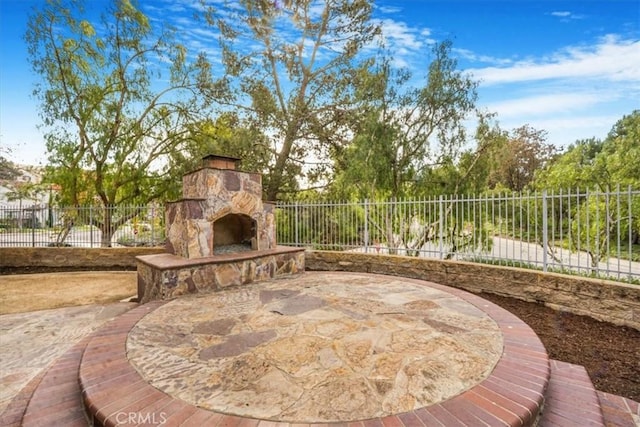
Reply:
x=610, y=353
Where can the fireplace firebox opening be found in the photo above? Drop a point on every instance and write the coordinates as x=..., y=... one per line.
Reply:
x=234, y=233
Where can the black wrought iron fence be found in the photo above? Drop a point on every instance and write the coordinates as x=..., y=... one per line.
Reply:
x=43, y=225
x=593, y=233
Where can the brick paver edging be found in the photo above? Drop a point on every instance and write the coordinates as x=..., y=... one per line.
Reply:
x=571, y=399
x=512, y=395
x=618, y=411
x=52, y=397
x=14, y=412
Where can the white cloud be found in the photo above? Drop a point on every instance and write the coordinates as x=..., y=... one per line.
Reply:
x=546, y=104
x=398, y=33
x=472, y=56
x=388, y=9
x=566, y=16
x=407, y=43
x=612, y=58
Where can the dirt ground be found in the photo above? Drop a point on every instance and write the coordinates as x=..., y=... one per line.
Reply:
x=32, y=292
x=610, y=353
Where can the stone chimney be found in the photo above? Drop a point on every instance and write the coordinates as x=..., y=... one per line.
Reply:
x=220, y=162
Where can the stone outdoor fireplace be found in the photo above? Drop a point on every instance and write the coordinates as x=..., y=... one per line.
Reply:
x=222, y=212
x=219, y=234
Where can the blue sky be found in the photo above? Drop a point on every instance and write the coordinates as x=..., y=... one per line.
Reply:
x=571, y=68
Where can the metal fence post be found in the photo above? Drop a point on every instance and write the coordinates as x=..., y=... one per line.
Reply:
x=296, y=223
x=441, y=226
x=153, y=224
x=33, y=226
x=366, y=226
x=545, y=233
x=91, y=226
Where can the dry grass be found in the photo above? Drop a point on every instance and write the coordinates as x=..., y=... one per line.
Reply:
x=31, y=292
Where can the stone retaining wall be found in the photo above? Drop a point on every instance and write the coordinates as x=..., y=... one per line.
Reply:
x=73, y=257
x=614, y=302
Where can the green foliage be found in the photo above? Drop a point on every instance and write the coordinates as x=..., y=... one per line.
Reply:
x=227, y=135
x=595, y=164
x=110, y=134
x=402, y=130
x=8, y=170
x=602, y=166
x=592, y=228
x=322, y=225
x=619, y=161
x=297, y=89
x=573, y=169
x=409, y=143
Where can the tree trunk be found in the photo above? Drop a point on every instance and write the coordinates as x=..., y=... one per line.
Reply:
x=107, y=230
x=275, y=180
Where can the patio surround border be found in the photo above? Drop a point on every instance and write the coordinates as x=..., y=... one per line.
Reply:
x=605, y=300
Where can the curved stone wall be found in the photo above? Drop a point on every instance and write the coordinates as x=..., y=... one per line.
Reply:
x=606, y=300
x=73, y=257
x=610, y=301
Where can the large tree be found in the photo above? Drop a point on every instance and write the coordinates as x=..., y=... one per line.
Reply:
x=600, y=165
x=619, y=161
x=573, y=169
x=227, y=135
x=406, y=131
x=115, y=99
x=289, y=66
x=517, y=162
x=8, y=169
x=408, y=141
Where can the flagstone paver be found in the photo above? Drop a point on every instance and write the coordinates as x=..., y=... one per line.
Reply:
x=316, y=348
x=31, y=341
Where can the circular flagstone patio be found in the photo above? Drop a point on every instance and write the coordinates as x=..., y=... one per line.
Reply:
x=317, y=348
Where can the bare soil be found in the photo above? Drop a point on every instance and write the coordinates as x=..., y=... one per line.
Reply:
x=31, y=292
x=610, y=353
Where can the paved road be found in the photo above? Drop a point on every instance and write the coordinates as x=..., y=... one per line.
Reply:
x=530, y=253
x=576, y=261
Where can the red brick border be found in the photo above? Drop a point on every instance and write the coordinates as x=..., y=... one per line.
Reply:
x=512, y=395
x=618, y=411
x=14, y=412
x=52, y=397
x=571, y=398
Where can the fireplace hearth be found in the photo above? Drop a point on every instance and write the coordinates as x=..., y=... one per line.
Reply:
x=221, y=233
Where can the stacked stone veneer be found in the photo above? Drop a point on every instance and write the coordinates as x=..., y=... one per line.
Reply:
x=167, y=276
x=221, y=206
x=209, y=195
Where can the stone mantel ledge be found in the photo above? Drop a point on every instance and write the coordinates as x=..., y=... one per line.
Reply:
x=604, y=300
x=166, y=261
